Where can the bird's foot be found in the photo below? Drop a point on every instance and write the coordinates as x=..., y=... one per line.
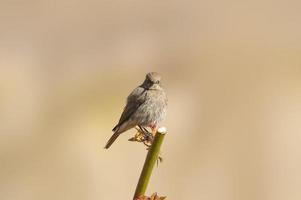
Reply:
x=143, y=135
x=153, y=129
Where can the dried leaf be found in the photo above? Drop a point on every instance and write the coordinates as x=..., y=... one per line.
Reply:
x=142, y=136
x=153, y=197
x=142, y=198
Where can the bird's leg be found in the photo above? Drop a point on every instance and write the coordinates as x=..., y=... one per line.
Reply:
x=143, y=129
x=142, y=135
x=147, y=135
x=153, y=127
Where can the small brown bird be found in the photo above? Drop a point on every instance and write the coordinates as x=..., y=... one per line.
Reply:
x=145, y=107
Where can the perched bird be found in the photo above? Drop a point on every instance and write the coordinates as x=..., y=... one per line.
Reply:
x=145, y=107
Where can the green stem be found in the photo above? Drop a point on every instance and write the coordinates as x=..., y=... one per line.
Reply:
x=149, y=164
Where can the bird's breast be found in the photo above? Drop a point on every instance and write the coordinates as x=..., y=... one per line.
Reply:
x=153, y=110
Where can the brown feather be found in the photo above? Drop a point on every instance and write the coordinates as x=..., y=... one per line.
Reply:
x=112, y=139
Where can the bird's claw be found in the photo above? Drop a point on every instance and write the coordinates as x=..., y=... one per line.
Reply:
x=143, y=135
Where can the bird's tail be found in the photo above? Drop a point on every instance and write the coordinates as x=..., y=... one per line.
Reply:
x=112, y=139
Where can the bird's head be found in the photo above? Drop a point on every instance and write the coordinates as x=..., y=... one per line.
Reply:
x=152, y=80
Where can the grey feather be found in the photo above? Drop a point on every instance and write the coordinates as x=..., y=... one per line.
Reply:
x=145, y=105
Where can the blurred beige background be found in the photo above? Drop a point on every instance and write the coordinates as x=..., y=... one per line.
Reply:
x=232, y=71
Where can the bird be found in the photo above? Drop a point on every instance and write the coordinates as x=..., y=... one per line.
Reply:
x=145, y=107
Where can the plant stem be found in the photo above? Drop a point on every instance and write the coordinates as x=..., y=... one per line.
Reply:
x=149, y=163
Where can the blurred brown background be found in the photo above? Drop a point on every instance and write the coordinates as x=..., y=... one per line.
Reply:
x=232, y=71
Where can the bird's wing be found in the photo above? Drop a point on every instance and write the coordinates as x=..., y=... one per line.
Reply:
x=134, y=101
